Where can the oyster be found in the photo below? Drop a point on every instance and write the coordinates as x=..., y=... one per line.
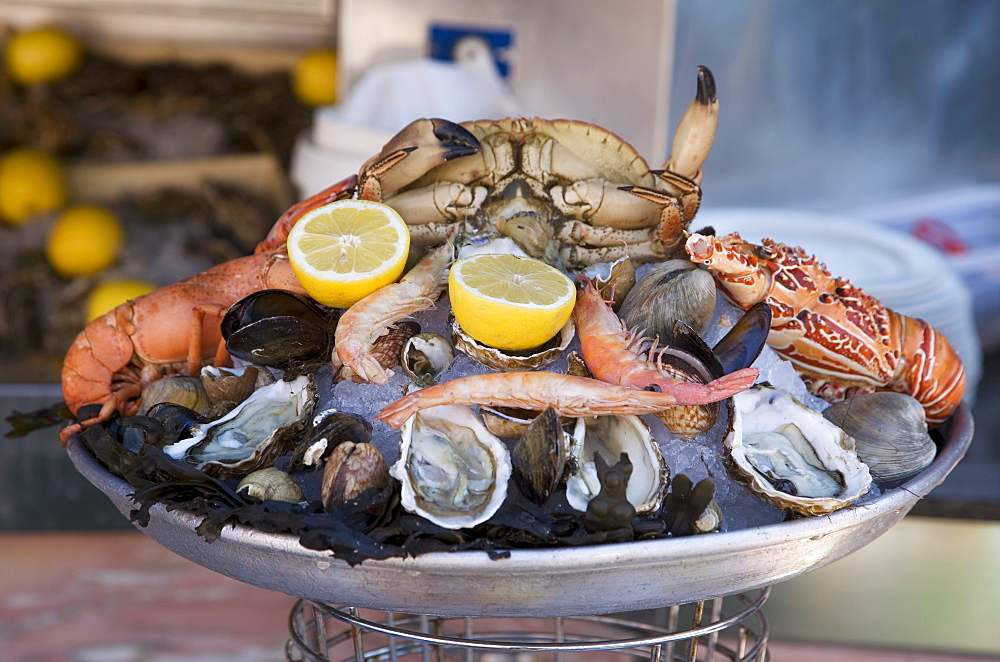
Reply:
x=792, y=457
x=610, y=436
x=890, y=433
x=453, y=471
x=253, y=435
x=499, y=359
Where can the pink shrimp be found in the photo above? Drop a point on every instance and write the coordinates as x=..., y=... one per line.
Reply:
x=536, y=390
x=370, y=318
x=611, y=352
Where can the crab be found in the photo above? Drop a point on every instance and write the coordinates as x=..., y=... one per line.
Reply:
x=569, y=192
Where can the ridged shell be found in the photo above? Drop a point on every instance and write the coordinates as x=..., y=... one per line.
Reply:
x=539, y=457
x=452, y=470
x=890, y=433
x=610, y=436
x=351, y=469
x=233, y=384
x=497, y=359
x=790, y=456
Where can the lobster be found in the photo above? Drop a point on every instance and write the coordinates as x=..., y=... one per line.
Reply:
x=175, y=329
x=841, y=341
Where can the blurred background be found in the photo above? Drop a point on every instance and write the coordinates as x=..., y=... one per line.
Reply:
x=170, y=134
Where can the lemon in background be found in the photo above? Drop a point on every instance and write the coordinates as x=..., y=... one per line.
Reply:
x=32, y=183
x=343, y=251
x=42, y=55
x=84, y=239
x=112, y=293
x=508, y=301
x=314, y=79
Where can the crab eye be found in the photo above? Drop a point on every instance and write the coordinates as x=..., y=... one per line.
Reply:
x=765, y=252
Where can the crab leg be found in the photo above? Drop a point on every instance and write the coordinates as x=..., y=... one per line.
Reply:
x=422, y=145
x=696, y=131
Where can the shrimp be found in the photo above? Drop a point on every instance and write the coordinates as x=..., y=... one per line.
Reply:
x=611, y=352
x=535, y=390
x=367, y=320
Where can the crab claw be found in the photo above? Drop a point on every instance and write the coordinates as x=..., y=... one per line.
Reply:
x=411, y=153
x=696, y=131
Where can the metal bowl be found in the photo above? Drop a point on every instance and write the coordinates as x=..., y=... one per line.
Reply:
x=597, y=579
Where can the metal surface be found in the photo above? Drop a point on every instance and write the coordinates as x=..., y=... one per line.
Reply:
x=731, y=628
x=557, y=582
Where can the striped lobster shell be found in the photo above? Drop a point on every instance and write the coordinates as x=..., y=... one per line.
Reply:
x=841, y=340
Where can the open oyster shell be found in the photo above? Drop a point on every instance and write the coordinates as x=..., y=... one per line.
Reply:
x=498, y=359
x=610, y=436
x=792, y=457
x=453, y=471
x=253, y=435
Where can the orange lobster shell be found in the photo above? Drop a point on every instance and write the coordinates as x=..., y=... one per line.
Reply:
x=841, y=340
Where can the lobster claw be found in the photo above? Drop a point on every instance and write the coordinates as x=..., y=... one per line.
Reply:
x=411, y=153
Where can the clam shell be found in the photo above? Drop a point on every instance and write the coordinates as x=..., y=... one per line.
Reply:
x=350, y=470
x=329, y=429
x=790, y=455
x=498, y=359
x=610, y=436
x=671, y=291
x=890, y=433
x=179, y=389
x=452, y=470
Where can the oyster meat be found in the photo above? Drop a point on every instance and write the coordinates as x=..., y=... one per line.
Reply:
x=253, y=435
x=792, y=457
x=453, y=471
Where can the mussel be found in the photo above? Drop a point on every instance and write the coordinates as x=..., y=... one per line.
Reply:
x=540, y=455
x=329, y=429
x=276, y=328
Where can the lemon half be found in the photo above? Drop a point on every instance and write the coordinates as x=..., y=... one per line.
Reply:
x=508, y=301
x=343, y=251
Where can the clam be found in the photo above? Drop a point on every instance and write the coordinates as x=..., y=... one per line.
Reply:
x=271, y=483
x=791, y=456
x=539, y=457
x=178, y=389
x=890, y=433
x=253, y=435
x=425, y=356
x=350, y=470
x=498, y=359
x=672, y=290
x=453, y=471
x=610, y=436
x=276, y=328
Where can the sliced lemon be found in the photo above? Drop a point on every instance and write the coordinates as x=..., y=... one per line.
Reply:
x=508, y=301
x=344, y=251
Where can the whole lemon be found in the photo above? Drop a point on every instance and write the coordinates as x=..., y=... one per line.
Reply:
x=32, y=183
x=84, y=240
x=112, y=293
x=42, y=55
x=314, y=80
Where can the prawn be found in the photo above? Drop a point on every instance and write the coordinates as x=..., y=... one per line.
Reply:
x=370, y=318
x=569, y=395
x=612, y=353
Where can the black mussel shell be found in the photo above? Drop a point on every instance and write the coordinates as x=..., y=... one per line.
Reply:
x=335, y=427
x=133, y=432
x=740, y=347
x=689, y=353
x=276, y=328
x=176, y=420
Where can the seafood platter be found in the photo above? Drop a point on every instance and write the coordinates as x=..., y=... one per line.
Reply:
x=700, y=414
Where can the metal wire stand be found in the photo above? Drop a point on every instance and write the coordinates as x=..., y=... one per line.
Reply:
x=701, y=631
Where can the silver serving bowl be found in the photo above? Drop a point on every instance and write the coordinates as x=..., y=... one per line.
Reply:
x=568, y=581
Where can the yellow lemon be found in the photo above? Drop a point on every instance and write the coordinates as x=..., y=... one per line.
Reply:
x=510, y=302
x=84, y=240
x=42, y=55
x=112, y=293
x=314, y=79
x=32, y=183
x=343, y=251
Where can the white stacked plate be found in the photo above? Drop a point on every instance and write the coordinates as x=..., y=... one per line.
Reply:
x=902, y=272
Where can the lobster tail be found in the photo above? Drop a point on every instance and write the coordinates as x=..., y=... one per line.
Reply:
x=930, y=370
